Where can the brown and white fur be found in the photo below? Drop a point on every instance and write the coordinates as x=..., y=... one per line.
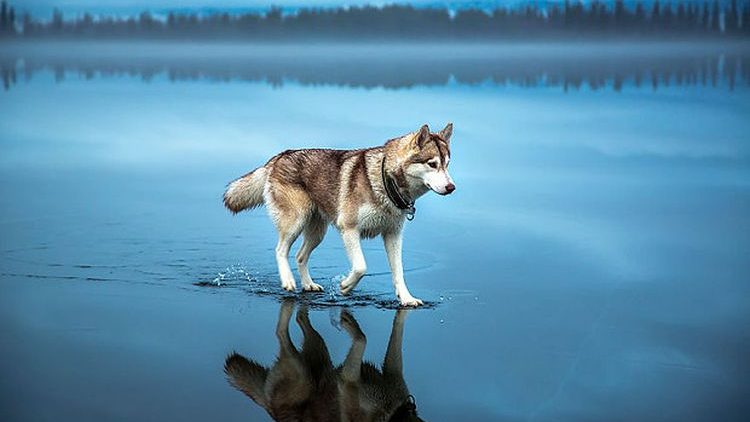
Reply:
x=303, y=385
x=307, y=189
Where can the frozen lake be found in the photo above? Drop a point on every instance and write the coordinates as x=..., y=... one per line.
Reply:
x=592, y=264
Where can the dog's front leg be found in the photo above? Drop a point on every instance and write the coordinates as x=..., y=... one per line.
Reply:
x=356, y=257
x=392, y=243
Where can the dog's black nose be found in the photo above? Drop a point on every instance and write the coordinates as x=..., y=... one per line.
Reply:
x=450, y=187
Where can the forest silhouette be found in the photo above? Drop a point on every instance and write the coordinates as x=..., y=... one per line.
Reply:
x=402, y=22
x=690, y=65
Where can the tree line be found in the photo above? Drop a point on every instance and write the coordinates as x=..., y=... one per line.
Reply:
x=724, y=70
x=571, y=19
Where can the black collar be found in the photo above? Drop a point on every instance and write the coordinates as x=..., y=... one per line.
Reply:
x=401, y=202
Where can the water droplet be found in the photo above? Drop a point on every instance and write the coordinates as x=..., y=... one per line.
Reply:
x=442, y=320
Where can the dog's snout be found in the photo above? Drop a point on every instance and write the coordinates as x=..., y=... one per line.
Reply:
x=450, y=187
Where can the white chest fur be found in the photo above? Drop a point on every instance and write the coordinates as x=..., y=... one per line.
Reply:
x=373, y=220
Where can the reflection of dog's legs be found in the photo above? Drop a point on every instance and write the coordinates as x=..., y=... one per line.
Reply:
x=314, y=233
x=286, y=347
x=352, y=367
x=351, y=371
x=393, y=364
x=314, y=350
x=289, y=374
x=357, y=259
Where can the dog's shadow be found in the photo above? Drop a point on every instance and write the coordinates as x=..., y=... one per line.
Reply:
x=304, y=385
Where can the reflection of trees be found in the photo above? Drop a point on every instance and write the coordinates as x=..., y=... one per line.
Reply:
x=380, y=70
x=571, y=19
x=9, y=75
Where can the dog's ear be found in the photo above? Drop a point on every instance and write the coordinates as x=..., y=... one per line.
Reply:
x=447, y=132
x=422, y=136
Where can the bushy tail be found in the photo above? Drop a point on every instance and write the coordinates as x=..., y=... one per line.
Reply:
x=247, y=376
x=246, y=192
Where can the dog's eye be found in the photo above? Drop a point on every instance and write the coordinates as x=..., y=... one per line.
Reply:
x=432, y=164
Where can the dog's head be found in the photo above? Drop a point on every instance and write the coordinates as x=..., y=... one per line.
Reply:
x=428, y=157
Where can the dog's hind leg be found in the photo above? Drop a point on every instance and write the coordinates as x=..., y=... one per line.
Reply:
x=357, y=259
x=286, y=239
x=314, y=232
x=290, y=209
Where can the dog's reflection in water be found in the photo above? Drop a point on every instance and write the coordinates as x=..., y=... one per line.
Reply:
x=303, y=385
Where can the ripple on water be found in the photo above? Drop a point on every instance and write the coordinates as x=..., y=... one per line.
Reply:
x=267, y=285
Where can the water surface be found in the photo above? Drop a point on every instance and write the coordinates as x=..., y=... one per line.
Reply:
x=592, y=264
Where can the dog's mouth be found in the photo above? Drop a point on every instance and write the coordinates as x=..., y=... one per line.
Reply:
x=443, y=193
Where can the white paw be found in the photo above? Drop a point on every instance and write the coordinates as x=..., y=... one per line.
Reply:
x=313, y=287
x=289, y=286
x=411, y=301
x=345, y=290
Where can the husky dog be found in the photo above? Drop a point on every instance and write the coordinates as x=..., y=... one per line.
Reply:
x=363, y=193
x=305, y=386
